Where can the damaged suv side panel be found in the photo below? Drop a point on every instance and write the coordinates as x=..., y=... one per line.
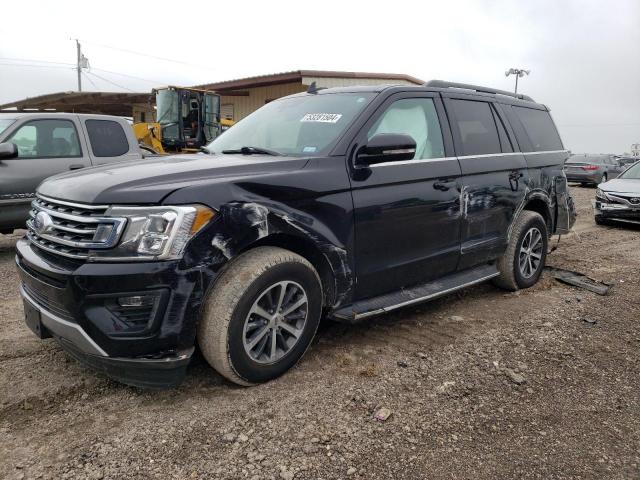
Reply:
x=277, y=211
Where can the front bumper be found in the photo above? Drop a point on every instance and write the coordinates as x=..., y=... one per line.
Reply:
x=73, y=302
x=616, y=211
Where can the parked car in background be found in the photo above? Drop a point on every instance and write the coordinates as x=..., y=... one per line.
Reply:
x=627, y=160
x=592, y=169
x=348, y=202
x=50, y=143
x=619, y=199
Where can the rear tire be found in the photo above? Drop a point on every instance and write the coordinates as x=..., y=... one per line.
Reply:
x=522, y=263
x=245, y=332
x=604, y=178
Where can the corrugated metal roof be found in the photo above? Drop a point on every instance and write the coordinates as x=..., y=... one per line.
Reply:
x=297, y=75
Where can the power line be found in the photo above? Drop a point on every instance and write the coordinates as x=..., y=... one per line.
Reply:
x=133, y=52
x=90, y=81
x=109, y=81
x=157, y=82
x=36, y=61
x=32, y=65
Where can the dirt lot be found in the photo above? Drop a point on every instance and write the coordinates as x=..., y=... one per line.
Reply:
x=448, y=371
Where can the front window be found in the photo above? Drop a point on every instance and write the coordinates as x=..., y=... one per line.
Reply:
x=5, y=122
x=300, y=125
x=47, y=139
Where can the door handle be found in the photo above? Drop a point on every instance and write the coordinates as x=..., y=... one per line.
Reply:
x=76, y=166
x=444, y=184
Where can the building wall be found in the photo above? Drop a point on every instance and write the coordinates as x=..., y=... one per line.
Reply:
x=243, y=106
x=143, y=112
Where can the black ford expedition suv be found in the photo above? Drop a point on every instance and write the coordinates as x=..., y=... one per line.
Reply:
x=346, y=202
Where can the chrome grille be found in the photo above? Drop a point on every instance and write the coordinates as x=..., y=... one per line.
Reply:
x=71, y=229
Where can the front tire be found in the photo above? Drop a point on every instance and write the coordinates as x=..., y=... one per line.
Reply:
x=522, y=263
x=261, y=315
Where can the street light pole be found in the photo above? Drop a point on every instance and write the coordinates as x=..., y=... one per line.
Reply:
x=79, y=65
x=518, y=72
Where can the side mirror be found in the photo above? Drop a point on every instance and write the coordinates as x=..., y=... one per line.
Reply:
x=387, y=147
x=8, y=150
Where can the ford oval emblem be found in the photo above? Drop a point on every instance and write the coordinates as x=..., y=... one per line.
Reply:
x=42, y=222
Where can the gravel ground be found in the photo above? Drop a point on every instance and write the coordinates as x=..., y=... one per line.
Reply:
x=541, y=383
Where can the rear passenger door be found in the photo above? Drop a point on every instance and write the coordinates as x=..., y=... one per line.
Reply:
x=494, y=176
x=407, y=214
x=110, y=141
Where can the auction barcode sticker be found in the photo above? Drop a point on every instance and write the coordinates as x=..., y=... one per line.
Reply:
x=321, y=117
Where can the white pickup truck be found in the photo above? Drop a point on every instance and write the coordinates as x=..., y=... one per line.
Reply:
x=35, y=146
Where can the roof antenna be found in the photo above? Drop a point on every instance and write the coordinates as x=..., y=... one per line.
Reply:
x=313, y=88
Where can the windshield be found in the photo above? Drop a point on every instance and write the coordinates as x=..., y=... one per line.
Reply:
x=304, y=125
x=5, y=122
x=632, y=172
x=168, y=114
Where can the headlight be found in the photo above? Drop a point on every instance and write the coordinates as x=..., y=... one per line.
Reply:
x=600, y=195
x=154, y=233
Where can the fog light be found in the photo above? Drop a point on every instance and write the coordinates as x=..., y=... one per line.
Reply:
x=137, y=301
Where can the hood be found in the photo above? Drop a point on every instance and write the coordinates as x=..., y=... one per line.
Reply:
x=149, y=181
x=621, y=185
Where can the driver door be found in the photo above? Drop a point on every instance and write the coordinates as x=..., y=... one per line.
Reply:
x=407, y=214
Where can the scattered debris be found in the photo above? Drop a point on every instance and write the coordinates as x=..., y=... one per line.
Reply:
x=382, y=414
x=351, y=471
x=228, y=437
x=514, y=377
x=422, y=355
x=578, y=279
x=590, y=321
x=402, y=364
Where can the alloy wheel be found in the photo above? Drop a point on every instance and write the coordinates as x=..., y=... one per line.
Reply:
x=530, y=256
x=275, y=322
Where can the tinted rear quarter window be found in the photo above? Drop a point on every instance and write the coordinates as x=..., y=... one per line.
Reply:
x=107, y=138
x=540, y=129
x=477, y=126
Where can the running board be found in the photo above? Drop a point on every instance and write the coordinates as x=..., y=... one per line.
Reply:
x=420, y=293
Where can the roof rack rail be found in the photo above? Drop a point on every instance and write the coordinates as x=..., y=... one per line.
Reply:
x=477, y=88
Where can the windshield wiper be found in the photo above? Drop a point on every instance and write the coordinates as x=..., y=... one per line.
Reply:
x=253, y=151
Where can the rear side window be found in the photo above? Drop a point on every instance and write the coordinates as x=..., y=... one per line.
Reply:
x=107, y=138
x=477, y=126
x=540, y=129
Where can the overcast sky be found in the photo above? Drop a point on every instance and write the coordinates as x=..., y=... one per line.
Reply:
x=584, y=55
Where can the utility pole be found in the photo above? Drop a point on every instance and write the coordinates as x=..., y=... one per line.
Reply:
x=79, y=66
x=518, y=72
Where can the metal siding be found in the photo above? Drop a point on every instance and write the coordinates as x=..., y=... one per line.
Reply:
x=243, y=106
